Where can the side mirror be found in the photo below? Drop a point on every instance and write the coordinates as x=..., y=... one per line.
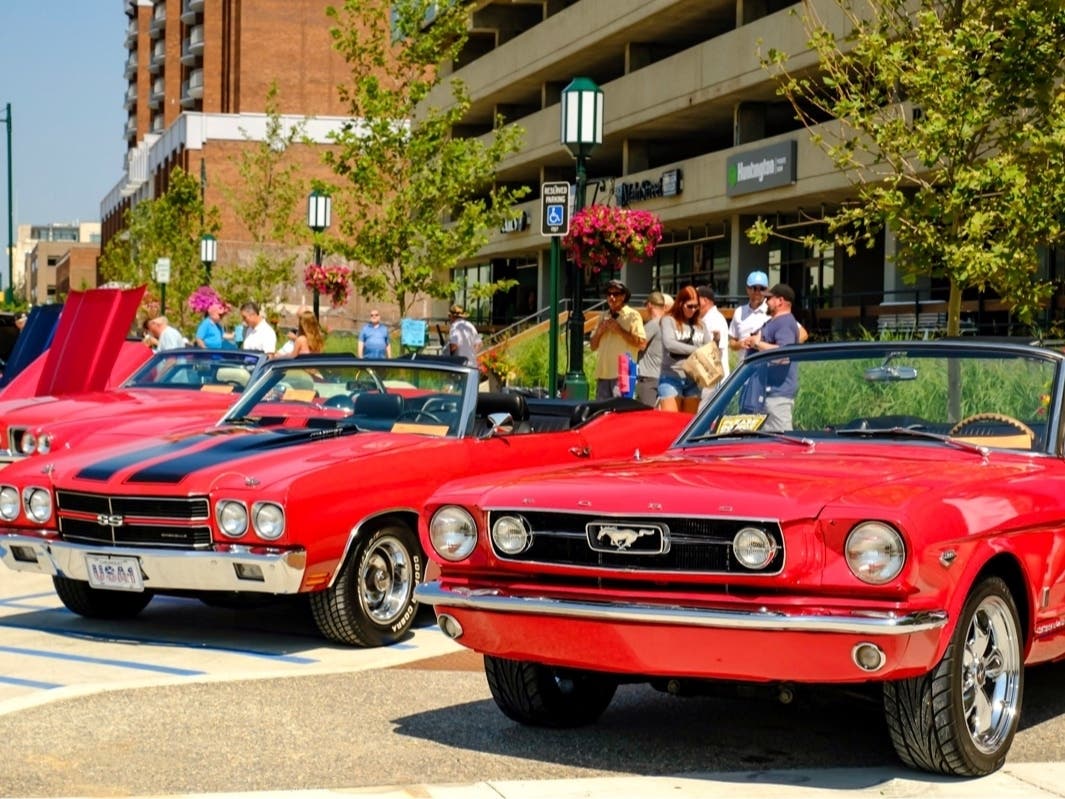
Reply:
x=499, y=424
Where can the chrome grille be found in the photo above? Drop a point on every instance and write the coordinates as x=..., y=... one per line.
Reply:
x=690, y=544
x=168, y=522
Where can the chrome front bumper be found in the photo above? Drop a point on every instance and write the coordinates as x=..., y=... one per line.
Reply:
x=855, y=622
x=233, y=569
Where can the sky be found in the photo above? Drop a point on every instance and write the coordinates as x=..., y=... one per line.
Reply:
x=61, y=69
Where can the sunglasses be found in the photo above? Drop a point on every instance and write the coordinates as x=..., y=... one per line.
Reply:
x=758, y=288
x=691, y=306
x=615, y=294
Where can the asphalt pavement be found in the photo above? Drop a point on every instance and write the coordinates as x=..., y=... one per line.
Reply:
x=193, y=702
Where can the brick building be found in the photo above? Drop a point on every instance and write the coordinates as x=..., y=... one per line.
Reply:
x=199, y=72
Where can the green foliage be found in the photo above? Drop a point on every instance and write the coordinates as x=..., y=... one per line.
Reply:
x=970, y=185
x=166, y=227
x=413, y=199
x=265, y=200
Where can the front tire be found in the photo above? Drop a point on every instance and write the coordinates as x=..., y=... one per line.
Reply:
x=371, y=602
x=960, y=718
x=93, y=603
x=546, y=696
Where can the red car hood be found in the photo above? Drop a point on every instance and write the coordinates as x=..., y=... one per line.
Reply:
x=89, y=351
x=194, y=459
x=767, y=481
x=80, y=407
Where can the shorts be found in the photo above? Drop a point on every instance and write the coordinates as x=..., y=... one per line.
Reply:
x=670, y=386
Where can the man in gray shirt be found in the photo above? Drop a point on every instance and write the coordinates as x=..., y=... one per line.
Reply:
x=649, y=363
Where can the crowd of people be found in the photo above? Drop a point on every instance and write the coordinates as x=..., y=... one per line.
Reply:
x=674, y=328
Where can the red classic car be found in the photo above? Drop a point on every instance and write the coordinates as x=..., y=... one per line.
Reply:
x=175, y=388
x=885, y=513
x=310, y=484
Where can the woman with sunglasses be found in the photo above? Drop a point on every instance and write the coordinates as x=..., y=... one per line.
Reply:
x=682, y=334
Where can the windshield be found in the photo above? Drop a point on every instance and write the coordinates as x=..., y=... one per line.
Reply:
x=396, y=396
x=223, y=371
x=988, y=396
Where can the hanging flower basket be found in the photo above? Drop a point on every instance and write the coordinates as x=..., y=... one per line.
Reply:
x=602, y=237
x=201, y=300
x=333, y=281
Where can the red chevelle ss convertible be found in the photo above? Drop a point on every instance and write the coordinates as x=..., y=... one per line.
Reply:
x=310, y=484
x=888, y=513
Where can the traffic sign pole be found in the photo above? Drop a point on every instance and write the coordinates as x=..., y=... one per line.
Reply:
x=554, y=222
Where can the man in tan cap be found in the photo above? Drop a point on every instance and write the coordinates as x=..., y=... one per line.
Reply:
x=620, y=330
x=463, y=339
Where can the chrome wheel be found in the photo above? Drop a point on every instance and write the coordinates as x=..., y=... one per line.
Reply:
x=991, y=675
x=385, y=580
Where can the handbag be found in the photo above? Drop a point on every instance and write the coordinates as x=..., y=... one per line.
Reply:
x=704, y=365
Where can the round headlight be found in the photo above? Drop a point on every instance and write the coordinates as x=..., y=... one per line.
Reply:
x=44, y=444
x=38, y=503
x=510, y=535
x=753, y=548
x=453, y=532
x=9, y=503
x=875, y=552
x=268, y=520
x=27, y=443
x=232, y=518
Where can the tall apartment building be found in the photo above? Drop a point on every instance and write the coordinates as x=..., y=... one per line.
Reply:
x=694, y=131
x=199, y=72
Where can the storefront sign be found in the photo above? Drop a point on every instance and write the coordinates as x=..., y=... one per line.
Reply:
x=669, y=185
x=765, y=168
x=516, y=225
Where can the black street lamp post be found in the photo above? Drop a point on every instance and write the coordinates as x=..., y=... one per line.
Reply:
x=208, y=254
x=582, y=131
x=319, y=210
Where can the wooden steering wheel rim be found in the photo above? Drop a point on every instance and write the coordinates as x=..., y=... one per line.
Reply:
x=991, y=417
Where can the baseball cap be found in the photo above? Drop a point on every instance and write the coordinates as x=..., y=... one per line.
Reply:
x=784, y=291
x=617, y=285
x=757, y=279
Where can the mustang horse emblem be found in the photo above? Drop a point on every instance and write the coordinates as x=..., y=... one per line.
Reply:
x=622, y=538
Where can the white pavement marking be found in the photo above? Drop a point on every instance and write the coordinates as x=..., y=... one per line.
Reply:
x=48, y=653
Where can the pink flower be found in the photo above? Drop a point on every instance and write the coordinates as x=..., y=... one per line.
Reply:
x=201, y=300
x=602, y=236
x=333, y=280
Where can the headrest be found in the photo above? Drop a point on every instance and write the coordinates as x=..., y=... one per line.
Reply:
x=379, y=406
x=503, y=402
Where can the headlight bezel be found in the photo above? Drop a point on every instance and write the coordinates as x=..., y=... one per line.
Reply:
x=875, y=552
x=32, y=496
x=14, y=500
x=453, y=533
x=227, y=511
x=257, y=511
x=27, y=443
x=754, y=536
x=519, y=524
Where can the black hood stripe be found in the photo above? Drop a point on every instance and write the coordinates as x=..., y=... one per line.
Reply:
x=106, y=469
x=228, y=449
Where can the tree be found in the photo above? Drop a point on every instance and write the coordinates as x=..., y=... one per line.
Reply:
x=165, y=227
x=265, y=201
x=413, y=199
x=971, y=183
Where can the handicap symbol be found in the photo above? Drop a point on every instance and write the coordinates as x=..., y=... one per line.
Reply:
x=555, y=215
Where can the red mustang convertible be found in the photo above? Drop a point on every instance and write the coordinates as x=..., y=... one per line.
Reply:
x=310, y=484
x=888, y=513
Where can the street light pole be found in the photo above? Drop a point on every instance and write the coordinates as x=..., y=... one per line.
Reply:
x=208, y=254
x=319, y=210
x=9, y=294
x=582, y=131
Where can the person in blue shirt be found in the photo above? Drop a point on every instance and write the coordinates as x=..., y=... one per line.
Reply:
x=374, y=339
x=210, y=333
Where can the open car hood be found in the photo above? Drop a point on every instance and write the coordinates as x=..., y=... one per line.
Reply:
x=88, y=350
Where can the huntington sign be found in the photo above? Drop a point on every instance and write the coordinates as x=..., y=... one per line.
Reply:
x=765, y=168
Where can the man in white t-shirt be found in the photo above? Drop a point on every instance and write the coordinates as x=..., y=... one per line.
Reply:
x=717, y=328
x=258, y=335
x=749, y=319
x=463, y=339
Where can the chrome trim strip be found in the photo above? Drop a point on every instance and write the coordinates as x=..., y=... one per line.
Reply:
x=857, y=622
x=175, y=569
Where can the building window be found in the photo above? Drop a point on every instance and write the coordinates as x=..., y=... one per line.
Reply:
x=466, y=278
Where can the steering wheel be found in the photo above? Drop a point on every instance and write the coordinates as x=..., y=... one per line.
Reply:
x=992, y=417
x=418, y=414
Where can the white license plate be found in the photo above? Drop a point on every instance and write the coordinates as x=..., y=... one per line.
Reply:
x=114, y=573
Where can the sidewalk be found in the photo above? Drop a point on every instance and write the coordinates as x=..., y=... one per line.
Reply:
x=1015, y=781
